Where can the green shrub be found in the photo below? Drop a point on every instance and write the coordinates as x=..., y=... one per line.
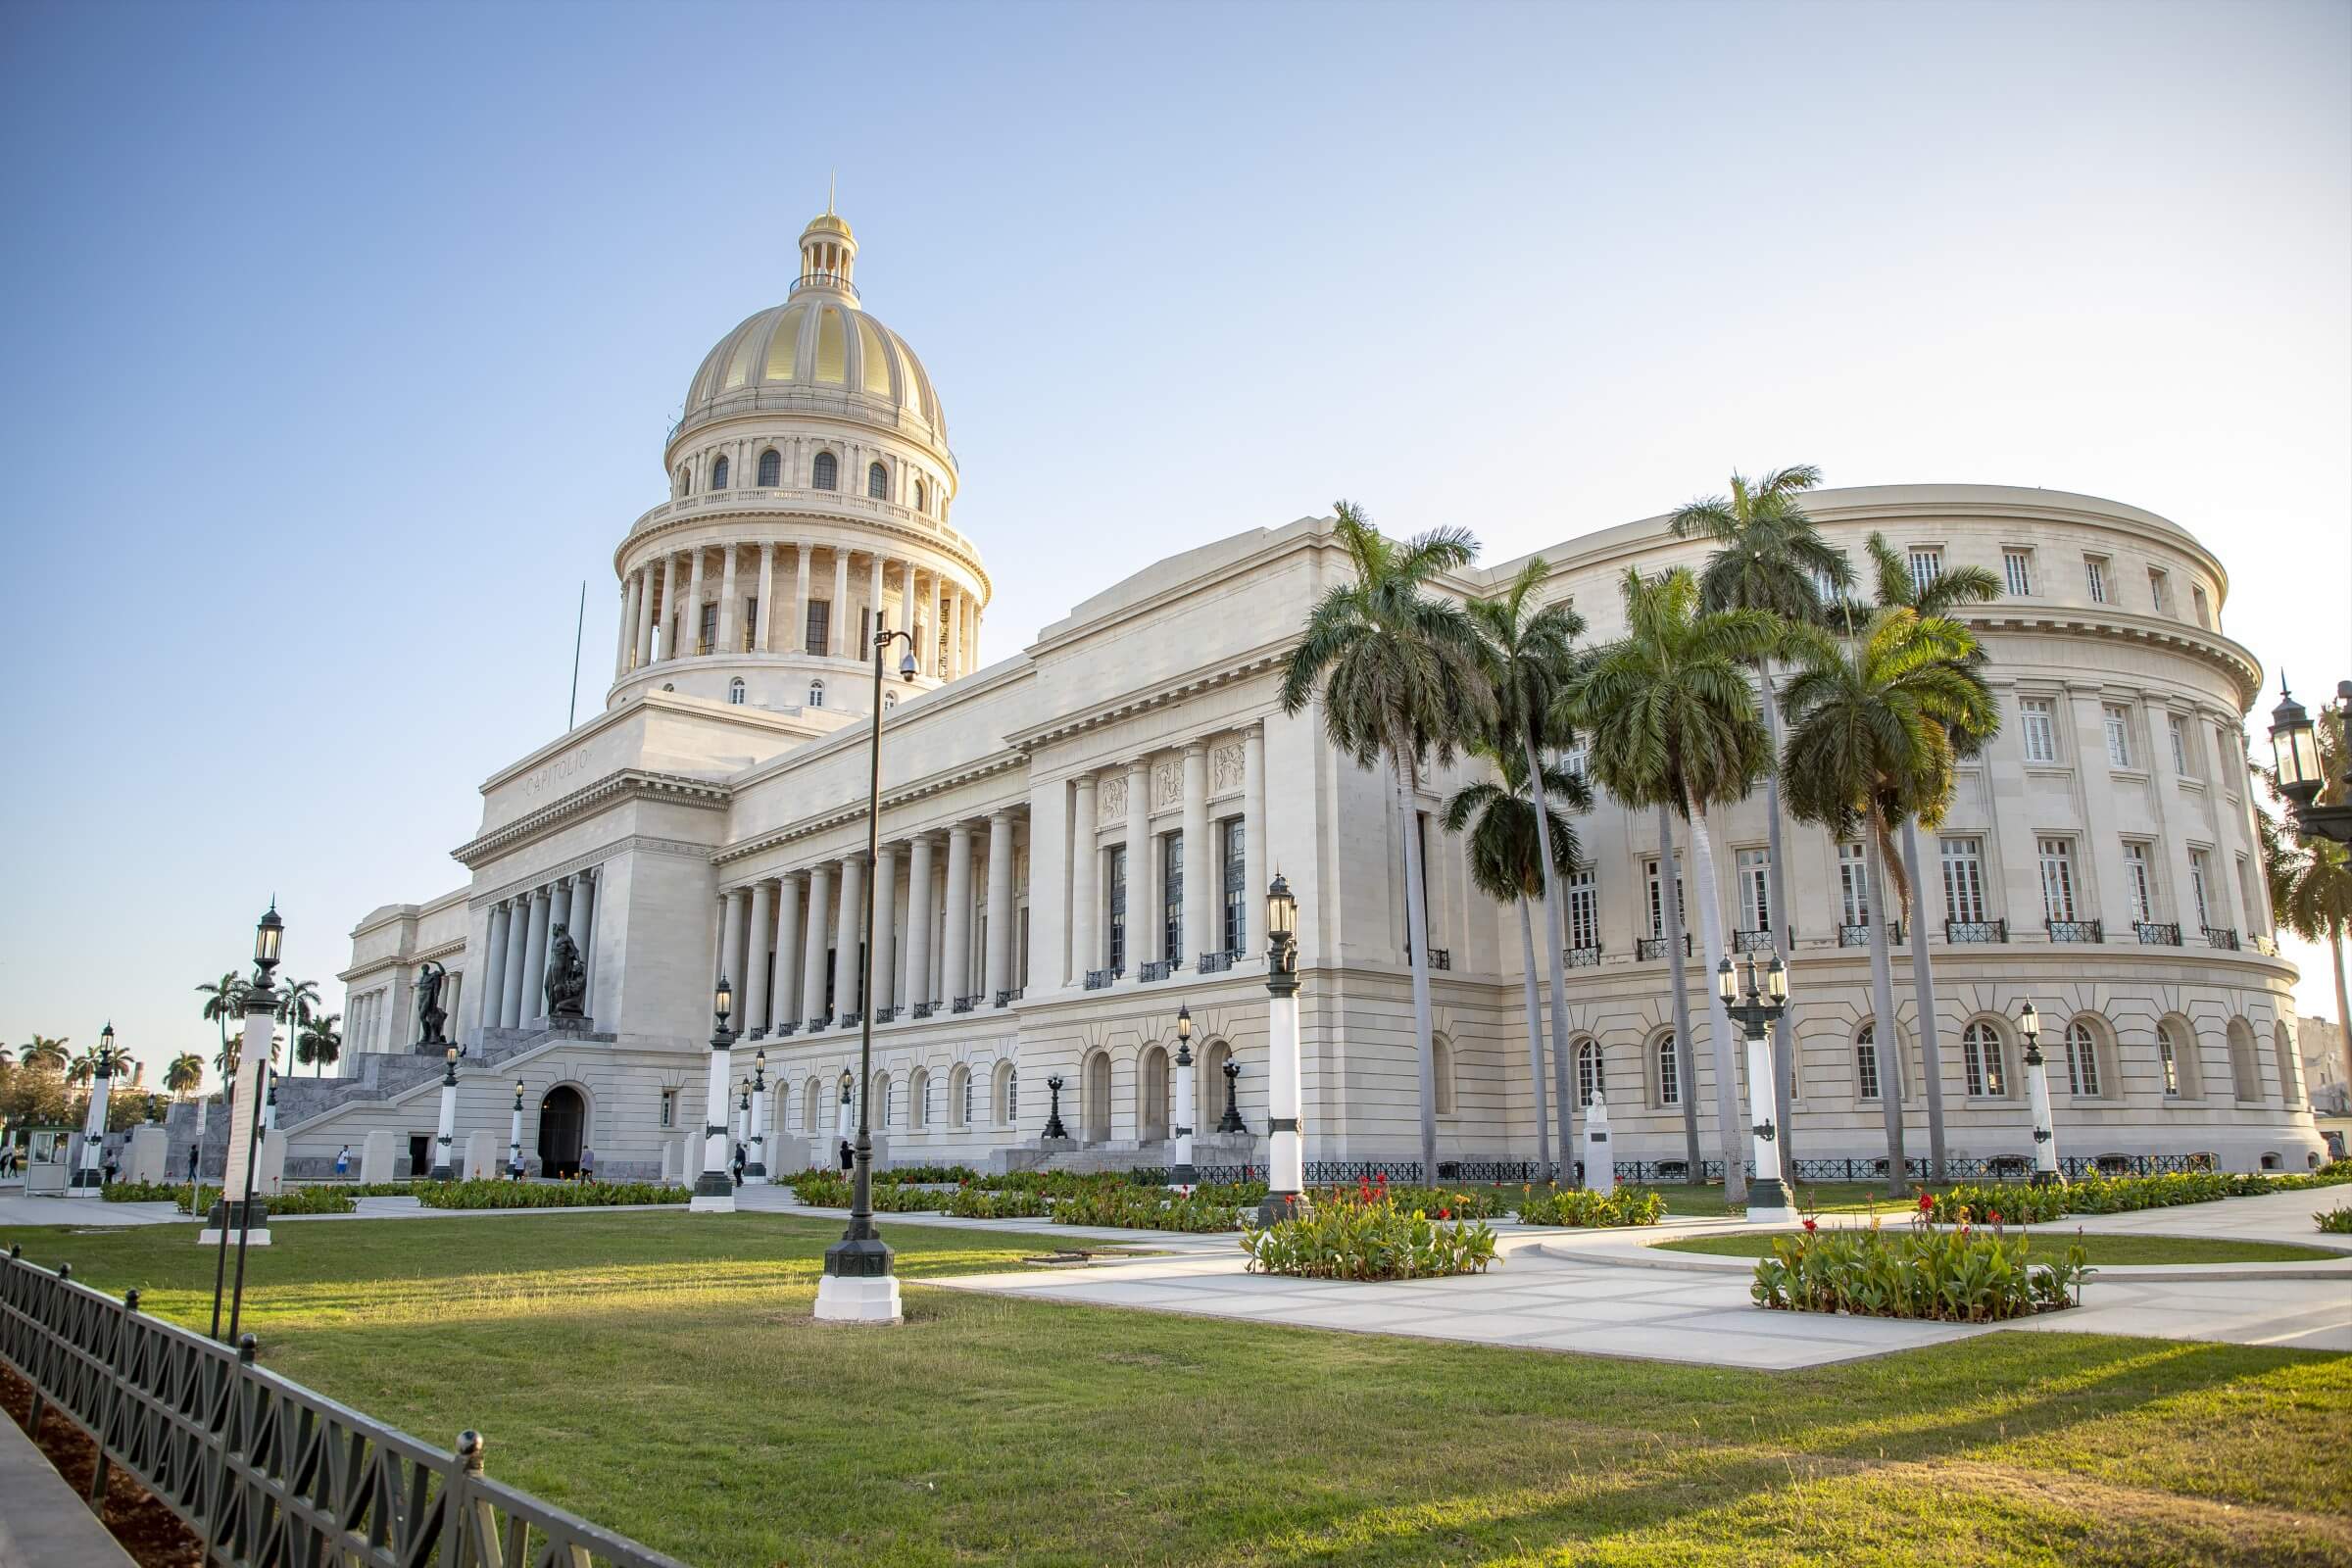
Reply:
x=1446, y=1202
x=2335, y=1221
x=1987, y=1203
x=545, y=1195
x=820, y=1189
x=1158, y=1208
x=1581, y=1206
x=928, y=1173
x=293, y=1201
x=1344, y=1238
x=1960, y=1275
x=977, y=1203
x=142, y=1192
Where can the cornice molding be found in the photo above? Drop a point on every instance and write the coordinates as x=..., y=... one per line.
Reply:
x=629, y=784
x=2211, y=647
x=907, y=794
x=1211, y=677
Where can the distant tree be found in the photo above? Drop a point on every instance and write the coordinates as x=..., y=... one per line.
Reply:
x=321, y=1043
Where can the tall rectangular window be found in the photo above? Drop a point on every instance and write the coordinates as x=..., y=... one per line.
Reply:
x=1171, y=901
x=1236, y=932
x=820, y=625
x=2094, y=577
x=670, y=1107
x=2017, y=569
x=1756, y=890
x=751, y=622
x=2176, y=732
x=1853, y=884
x=2040, y=729
x=2136, y=884
x=866, y=634
x=2200, y=880
x=1584, y=910
x=1963, y=880
x=706, y=630
x=2119, y=734
x=2160, y=590
x=1578, y=763
x=1926, y=565
x=1657, y=906
x=2058, y=879
x=2245, y=896
x=2196, y=596
x=1116, y=906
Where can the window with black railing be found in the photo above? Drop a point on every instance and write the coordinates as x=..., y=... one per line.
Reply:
x=1171, y=897
x=1115, y=912
x=1655, y=947
x=1963, y=931
x=1234, y=874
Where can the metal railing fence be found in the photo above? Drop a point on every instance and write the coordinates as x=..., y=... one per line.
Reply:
x=263, y=1469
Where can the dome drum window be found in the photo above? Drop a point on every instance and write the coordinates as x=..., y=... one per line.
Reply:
x=771, y=469
x=719, y=474
x=877, y=481
x=825, y=474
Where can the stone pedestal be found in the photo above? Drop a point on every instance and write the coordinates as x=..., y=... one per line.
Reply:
x=149, y=1151
x=1601, y=1158
x=485, y=1156
x=229, y=1216
x=379, y=1160
x=1058, y=1145
x=843, y=1299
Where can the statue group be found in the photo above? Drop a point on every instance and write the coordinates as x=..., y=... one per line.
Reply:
x=430, y=1014
x=566, y=977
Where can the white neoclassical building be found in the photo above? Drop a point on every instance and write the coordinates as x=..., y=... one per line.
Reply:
x=1074, y=837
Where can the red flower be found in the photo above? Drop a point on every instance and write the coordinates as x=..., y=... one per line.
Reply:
x=1992, y=1216
x=1445, y=1213
x=1927, y=1202
x=1812, y=1224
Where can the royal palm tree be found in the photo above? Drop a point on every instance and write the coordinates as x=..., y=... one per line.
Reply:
x=297, y=1005
x=222, y=1001
x=321, y=1041
x=43, y=1052
x=1673, y=721
x=1872, y=727
x=1509, y=841
x=1937, y=594
x=1771, y=558
x=1528, y=646
x=2311, y=879
x=1399, y=671
x=184, y=1074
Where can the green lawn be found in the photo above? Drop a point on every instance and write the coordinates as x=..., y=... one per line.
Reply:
x=660, y=1374
x=2098, y=1249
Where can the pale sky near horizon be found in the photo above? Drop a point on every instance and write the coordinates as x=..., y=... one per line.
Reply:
x=346, y=337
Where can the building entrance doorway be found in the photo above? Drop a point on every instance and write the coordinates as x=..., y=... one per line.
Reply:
x=421, y=1156
x=563, y=1120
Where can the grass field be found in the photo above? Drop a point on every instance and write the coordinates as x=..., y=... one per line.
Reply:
x=2049, y=1240
x=660, y=1374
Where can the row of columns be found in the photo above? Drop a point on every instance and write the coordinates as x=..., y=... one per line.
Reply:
x=1145, y=889
x=785, y=938
x=661, y=608
x=514, y=996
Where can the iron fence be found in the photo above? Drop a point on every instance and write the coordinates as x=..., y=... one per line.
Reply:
x=1958, y=931
x=263, y=1469
x=2017, y=1167
x=1584, y=958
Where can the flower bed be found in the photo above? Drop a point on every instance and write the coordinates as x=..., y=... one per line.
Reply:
x=545, y=1195
x=143, y=1191
x=1342, y=1237
x=293, y=1201
x=977, y=1203
x=2024, y=1204
x=1217, y=1207
x=2334, y=1221
x=1962, y=1275
x=1581, y=1206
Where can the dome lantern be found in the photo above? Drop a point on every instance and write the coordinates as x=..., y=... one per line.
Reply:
x=828, y=255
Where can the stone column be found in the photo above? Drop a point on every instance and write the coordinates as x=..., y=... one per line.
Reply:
x=918, y=989
x=494, y=968
x=1143, y=921
x=955, y=614
x=837, y=633
x=730, y=938
x=812, y=956
x=886, y=910
x=957, y=978
x=509, y=984
x=645, y=617
x=1085, y=896
x=583, y=933
x=534, y=967
x=784, y=994
x=763, y=627
x=1200, y=880
x=753, y=978
x=690, y=629
x=1257, y=874
x=849, y=935
x=628, y=627
x=796, y=635
x=906, y=604
x=728, y=642
x=670, y=605
x=873, y=588
x=2100, y=852
x=998, y=956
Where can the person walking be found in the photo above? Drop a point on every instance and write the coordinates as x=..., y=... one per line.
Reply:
x=736, y=1165
x=848, y=1156
x=587, y=1163
x=192, y=1155
x=343, y=1162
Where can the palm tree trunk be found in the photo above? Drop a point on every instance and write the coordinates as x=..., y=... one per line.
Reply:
x=1417, y=929
x=2343, y=1011
x=1535, y=1037
x=1922, y=983
x=1565, y=1101
x=1784, y=1043
x=1686, y=1062
x=1728, y=1121
x=1885, y=1036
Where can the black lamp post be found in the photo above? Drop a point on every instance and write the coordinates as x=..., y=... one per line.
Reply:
x=1231, y=1121
x=1182, y=1173
x=514, y=1137
x=1054, y=1126
x=1756, y=1010
x=854, y=1264
x=2302, y=768
x=755, y=1170
x=2037, y=1098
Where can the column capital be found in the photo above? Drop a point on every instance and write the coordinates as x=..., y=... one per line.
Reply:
x=1196, y=748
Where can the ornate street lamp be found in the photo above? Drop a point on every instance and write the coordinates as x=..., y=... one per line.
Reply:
x=713, y=1189
x=2302, y=768
x=858, y=1286
x=1756, y=1011
x=2037, y=1098
x=249, y=1215
x=1053, y=1127
x=1182, y=1174
x=514, y=1137
x=755, y=1169
x=88, y=1176
x=1286, y=1171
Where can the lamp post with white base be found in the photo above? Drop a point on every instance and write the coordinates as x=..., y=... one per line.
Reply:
x=1285, y=1147
x=1755, y=1013
x=713, y=1190
x=89, y=1176
x=443, y=1140
x=514, y=1137
x=755, y=1169
x=1182, y=1173
x=2037, y=1098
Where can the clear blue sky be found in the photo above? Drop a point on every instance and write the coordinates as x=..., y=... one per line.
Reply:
x=340, y=342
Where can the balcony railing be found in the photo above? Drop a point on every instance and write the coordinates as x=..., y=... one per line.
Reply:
x=922, y=1009
x=1006, y=998
x=1158, y=970
x=2222, y=936
x=1751, y=942
x=819, y=1023
x=1438, y=958
x=1959, y=931
x=886, y=1014
x=785, y=1030
x=1101, y=979
x=1649, y=948
x=2157, y=933
x=1216, y=963
x=2268, y=947
x=965, y=1004
x=850, y=1020
x=1850, y=935
x=2076, y=931
x=1584, y=958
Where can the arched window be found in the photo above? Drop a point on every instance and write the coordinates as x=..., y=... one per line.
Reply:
x=1002, y=1107
x=735, y=691
x=1670, y=1070
x=1208, y=1107
x=1866, y=1064
x=2283, y=1046
x=1013, y=1094
x=1589, y=1072
x=2173, y=1057
x=877, y=481
x=685, y=480
x=1981, y=1059
x=1094, y=1113
x=812, y=1108
x=923, y=496
x=882, y=1087
x=825, y=473
x=1151, y=1095
x=816, y=694
x=960, y=1097
x=771, y=469
x=918, y=1099
x=2245, y=1073
x=2081, y=1060
x=1441, y=1061
x=719, y=474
